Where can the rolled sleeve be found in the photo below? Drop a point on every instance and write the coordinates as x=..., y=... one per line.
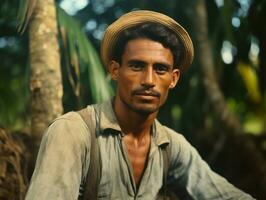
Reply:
x=62, y=160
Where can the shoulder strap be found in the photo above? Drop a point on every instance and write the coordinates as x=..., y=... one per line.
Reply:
x=166, y=151
x=89, y=189
x=167, y=192
x=166, y=160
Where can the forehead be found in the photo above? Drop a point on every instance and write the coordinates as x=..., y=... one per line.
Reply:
x=147, y=50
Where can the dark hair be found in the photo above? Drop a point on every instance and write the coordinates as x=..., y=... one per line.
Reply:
x=152, y=31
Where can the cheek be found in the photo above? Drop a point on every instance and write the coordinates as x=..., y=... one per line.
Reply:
x=125, y=85
x=128, y=80
x=165, y=84
x=164, y=89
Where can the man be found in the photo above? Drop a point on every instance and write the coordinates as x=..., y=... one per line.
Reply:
x=144, y=52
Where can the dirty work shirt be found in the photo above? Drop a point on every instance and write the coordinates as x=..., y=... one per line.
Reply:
x=64, y=158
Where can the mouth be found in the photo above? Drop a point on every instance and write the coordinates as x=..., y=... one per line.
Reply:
x=147, y=94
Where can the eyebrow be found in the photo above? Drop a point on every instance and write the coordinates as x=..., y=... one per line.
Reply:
x=140, y=62
x=163, y=65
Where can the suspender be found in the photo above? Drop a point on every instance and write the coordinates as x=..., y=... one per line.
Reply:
x=89, y=188
x=166, y=162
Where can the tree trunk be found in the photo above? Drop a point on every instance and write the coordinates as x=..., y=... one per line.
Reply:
x=45, y=84
x=207, y=65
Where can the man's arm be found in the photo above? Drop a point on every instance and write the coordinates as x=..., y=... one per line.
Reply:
x=62, y=161
x=190, y=175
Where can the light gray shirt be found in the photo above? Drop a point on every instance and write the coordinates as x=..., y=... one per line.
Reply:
x=64, y=158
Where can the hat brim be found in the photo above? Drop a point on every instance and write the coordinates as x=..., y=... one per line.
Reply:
x=134, y=18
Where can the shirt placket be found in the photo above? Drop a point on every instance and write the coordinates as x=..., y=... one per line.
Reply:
x=137, y=192
x=129, y=166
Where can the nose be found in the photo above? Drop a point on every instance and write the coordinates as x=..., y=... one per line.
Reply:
x=148, y=78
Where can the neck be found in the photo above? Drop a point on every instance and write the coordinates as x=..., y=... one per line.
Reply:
x=131, y=122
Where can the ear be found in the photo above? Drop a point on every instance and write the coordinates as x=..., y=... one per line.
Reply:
x=175, y=78
x=113, y=69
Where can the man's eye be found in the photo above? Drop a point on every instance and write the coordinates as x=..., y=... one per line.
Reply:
x=136, y=67
x=161, y=69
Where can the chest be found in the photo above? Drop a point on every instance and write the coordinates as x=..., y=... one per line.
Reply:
x=122, y=176
x=137, y=153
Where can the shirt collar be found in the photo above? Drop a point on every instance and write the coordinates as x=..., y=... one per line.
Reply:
x=108, y=121
x=160, y=134
x=107, y=117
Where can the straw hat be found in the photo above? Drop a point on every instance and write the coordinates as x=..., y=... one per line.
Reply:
x=134, y=18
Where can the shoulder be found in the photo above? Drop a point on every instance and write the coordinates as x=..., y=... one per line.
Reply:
x=175, y=138
x=71, y=120
x=69, y=117
x=69, y=127
x=181, y=149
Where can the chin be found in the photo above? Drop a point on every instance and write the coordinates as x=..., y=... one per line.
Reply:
x=145, y=110
x=142, y=108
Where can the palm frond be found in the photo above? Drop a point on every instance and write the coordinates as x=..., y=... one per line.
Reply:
x=81, y=53
x=26, y=8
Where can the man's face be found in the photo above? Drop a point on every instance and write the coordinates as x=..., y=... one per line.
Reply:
x=144, y=76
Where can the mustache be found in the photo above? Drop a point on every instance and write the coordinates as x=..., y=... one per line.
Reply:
x=146, y=91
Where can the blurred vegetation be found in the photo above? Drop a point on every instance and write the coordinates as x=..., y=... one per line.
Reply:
x=237, y=35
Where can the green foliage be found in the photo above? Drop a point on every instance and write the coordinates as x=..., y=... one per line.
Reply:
x=82, y=57
x=14, y=70
x=26, y=8
x=79, y=52
x=82, y=61
x=81, y=64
